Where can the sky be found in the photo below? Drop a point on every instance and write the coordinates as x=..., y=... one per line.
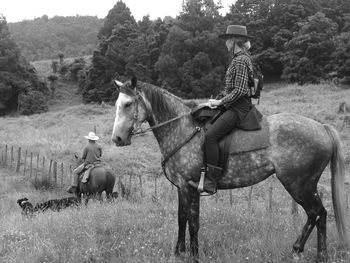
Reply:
x=18, y=10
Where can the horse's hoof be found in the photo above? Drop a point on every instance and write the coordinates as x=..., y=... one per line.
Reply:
x=322, y=258
x=180, y=249
x=179, y=253
x=296, y=257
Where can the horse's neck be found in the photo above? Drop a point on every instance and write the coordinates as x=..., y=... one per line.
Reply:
x=171, y=134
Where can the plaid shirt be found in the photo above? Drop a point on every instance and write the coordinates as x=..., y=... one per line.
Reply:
x=236, y=78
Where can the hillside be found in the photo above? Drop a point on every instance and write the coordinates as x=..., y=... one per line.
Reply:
x=66, y=93
x=44, y=38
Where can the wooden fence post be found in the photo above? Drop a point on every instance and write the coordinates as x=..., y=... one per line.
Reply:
x=62, y=174
x=43, y=175
x=70, y=173
x=231, y=198
x=18, y=160
x=50, y=169
x=54, y=171
x=155, y=186
x=31, y=165
x=140, y=179
x=25, y=163
x=270, y=196
x=37, y=167
x=11, y=157
x=130, y=177
x=250, y=197
x=5, y=162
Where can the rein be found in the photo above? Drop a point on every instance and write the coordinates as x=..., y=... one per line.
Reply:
x=136, y=114
x=140, y=131
x=177, y=148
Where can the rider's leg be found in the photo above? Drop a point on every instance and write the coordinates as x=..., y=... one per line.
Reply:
x=221, y=127
x=75, y=179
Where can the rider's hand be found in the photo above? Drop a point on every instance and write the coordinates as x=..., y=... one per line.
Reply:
x=213, y=104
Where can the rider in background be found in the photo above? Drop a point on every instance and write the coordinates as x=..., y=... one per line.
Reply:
x=91, y=154
x=236, y=101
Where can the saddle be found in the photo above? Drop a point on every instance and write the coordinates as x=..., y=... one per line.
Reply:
x=85, y=174
x=250, y=135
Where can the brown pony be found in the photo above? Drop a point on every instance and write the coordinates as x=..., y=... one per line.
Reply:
x=298, y=151
x=101, y=179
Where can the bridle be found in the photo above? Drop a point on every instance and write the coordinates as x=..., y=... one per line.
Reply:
x=139, y=99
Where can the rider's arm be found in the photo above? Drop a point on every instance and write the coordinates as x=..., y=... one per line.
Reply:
x=83, y=157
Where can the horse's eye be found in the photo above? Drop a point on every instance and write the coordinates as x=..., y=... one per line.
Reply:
x=127, y=105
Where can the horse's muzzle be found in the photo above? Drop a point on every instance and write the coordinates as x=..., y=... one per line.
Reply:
x=120, y=142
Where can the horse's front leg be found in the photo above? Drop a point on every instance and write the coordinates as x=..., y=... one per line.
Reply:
x=183, y=213
x=193, y=218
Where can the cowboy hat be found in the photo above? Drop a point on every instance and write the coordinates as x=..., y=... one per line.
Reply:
x=92, y=136
x=235, y=31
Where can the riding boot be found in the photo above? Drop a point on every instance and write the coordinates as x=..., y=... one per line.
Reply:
x=212, y=175
x=74, y=187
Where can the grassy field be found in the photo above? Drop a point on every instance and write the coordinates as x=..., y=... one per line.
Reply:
x=144, y=229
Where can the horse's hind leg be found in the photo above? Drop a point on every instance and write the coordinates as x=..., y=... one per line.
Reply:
x=306, y=195
x=317, y=215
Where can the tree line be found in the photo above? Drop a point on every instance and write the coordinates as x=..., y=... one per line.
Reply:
x=298, y=41
x=20, y=87
x=43, y=37
x=303, y=41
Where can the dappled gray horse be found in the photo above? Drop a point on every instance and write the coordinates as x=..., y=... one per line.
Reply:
x=298, y=151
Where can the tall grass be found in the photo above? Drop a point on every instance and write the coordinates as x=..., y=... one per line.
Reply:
x=144, y=231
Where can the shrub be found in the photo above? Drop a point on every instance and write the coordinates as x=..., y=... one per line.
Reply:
x=43, y=183
x=74, y=68
x=32, y=102
x=63, y=70
x=54, y=66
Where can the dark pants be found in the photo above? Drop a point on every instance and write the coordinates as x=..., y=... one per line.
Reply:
x=221, y=127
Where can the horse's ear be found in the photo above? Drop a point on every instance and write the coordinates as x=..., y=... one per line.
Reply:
x=133, y=82
x=117, y=84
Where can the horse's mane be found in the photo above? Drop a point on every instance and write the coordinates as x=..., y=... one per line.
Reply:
x=157, y=97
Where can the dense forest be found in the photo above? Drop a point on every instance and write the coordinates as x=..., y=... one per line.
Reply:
x=303, y=41
x=20, y=87
x=43, y=38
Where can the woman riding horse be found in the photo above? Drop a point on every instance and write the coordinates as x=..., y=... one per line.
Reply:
x=236, y=101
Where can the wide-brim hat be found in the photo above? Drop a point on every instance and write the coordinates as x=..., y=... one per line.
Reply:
x=92, y=136
x=235, y=31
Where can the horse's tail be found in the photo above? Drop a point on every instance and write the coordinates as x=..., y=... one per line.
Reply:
x=337, y=170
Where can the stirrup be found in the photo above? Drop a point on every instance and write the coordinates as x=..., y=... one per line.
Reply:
x=200, y=187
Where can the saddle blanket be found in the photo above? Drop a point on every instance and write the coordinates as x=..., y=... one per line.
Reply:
x=239, y=141
x=86, y=174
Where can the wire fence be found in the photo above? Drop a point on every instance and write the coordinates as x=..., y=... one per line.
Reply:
x=34, y=166
x=40, y=168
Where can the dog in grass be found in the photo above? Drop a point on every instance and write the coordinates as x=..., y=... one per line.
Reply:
x=53, y=205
